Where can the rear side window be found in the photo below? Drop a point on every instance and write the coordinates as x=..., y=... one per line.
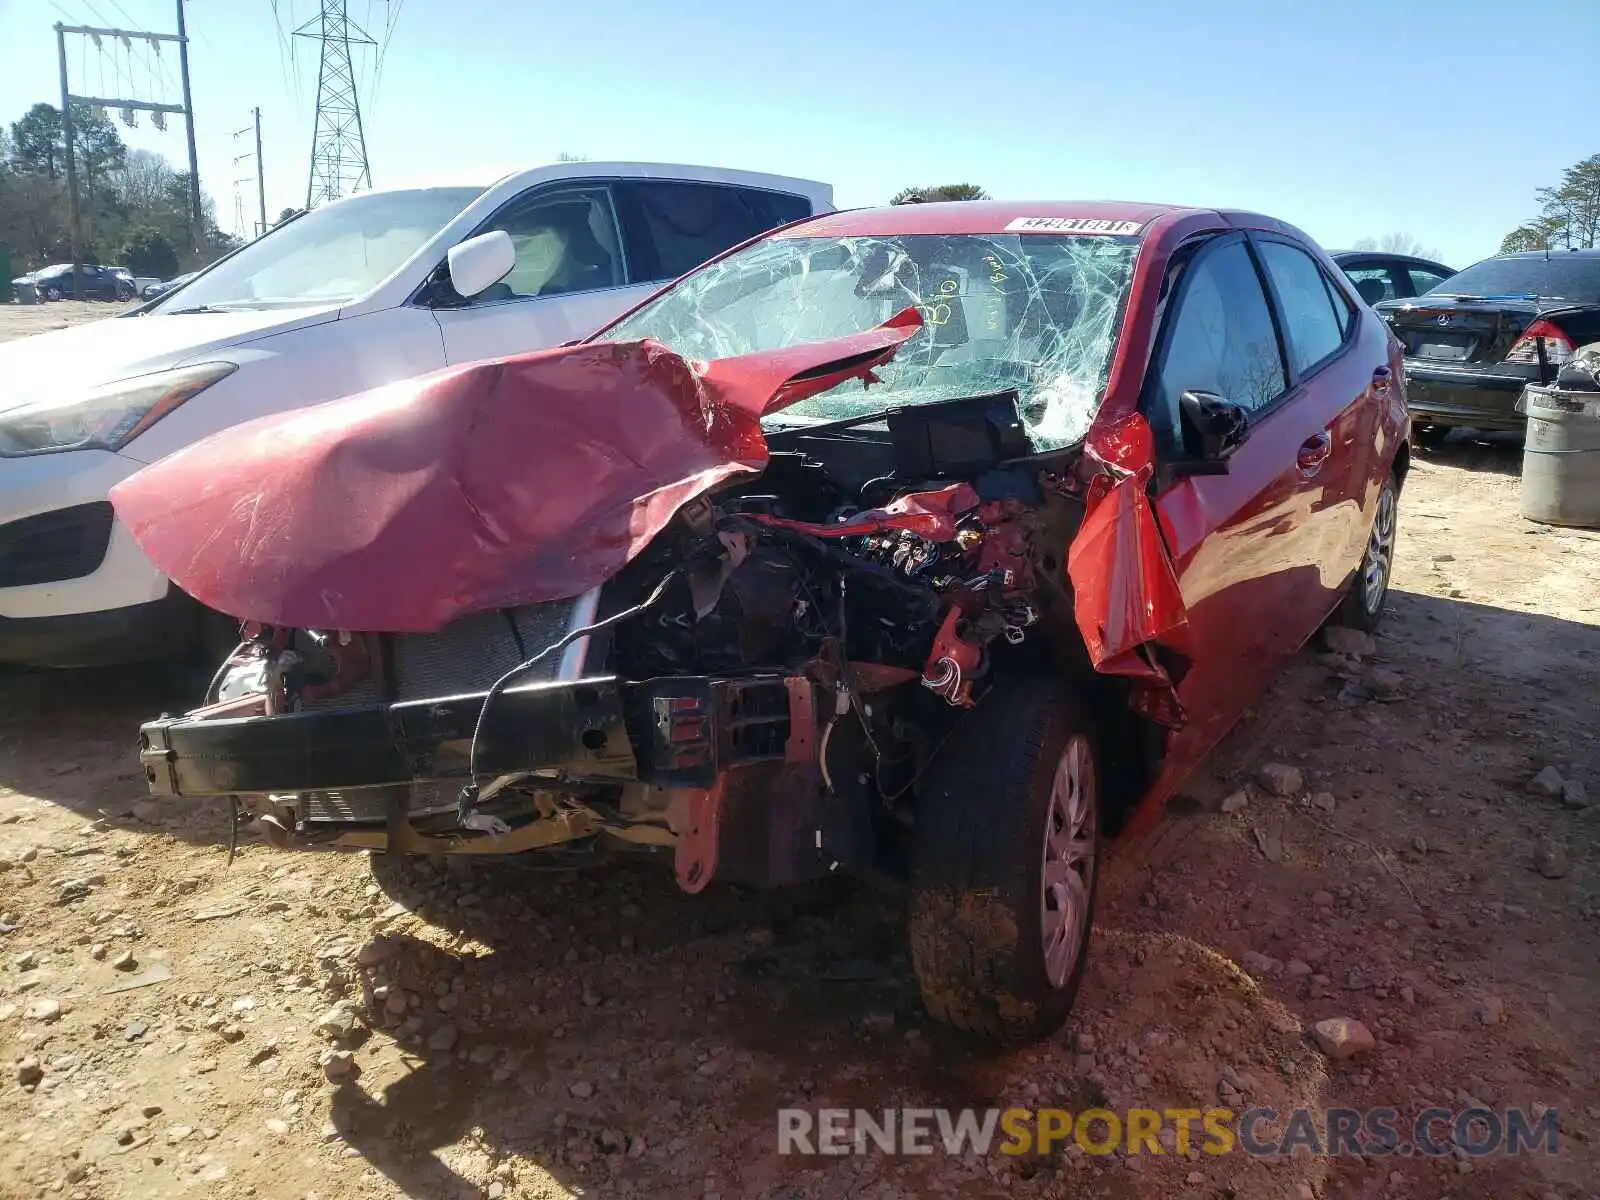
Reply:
x=1562, y=276
x=1312, y=326
x=1373, y=283
x=1221, y=339
x=674, y=227
x=1424, y=281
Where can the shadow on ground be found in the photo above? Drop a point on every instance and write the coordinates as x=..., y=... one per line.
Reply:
x=1497, y=453
x=71, y=738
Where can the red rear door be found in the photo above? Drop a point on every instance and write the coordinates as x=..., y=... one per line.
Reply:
x=1339, y=364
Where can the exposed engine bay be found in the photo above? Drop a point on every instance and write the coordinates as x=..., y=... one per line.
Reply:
x=760, y=688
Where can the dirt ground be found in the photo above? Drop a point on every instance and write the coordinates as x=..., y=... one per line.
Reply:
x=529, y=1032
x=20, y=320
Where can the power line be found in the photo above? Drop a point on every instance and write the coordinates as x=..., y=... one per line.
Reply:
x=286, y=59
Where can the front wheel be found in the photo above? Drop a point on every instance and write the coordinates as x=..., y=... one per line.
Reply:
x=1006, y=851
x=1362, y=607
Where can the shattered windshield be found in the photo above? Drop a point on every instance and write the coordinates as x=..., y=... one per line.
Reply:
x=1034, y=312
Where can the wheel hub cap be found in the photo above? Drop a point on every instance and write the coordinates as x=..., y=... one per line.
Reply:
x=1380, y=552
x=1069, y=844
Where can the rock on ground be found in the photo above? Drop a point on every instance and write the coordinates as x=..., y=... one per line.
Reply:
x=1342, y=1037
x=1546, y=783
x=1280, y=779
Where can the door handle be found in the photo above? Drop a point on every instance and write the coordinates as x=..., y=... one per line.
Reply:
x=1380, y=381
x=1313, y=453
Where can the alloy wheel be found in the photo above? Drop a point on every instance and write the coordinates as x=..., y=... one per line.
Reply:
x=1380, y=552
x=1069, y=860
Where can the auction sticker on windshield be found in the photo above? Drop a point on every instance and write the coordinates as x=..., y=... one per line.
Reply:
x=1073, y=225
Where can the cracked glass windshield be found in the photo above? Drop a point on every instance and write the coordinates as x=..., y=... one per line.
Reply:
x=1034, y=312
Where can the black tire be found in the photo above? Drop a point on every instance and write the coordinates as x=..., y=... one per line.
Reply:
x=1362, y=606
x=51, y=293
x=977, y=904
x=1430, y=437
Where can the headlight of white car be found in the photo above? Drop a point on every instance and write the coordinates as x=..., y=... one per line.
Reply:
x=107, y=417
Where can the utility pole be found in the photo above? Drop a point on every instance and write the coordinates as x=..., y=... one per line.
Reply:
x=261, y=177
x=338, y=143
x=72, y=168
x=196, y=225
x=68, y=100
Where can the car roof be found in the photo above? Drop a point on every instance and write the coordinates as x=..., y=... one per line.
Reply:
x=981, y=216
x=1340, y=256
x=1551, y=254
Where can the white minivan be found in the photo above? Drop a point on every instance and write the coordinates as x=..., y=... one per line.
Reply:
x=364, y=291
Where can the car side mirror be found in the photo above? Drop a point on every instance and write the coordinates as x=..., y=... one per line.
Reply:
x=1213, y=428
x=479, y=263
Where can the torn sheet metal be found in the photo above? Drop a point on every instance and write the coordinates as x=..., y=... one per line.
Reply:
x=1125, y=590
x=486, y=486
x=929, y=515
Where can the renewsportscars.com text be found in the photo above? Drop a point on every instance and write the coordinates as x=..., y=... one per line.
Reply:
x=1376, y=1132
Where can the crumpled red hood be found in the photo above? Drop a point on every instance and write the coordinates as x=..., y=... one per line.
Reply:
x=486, y=486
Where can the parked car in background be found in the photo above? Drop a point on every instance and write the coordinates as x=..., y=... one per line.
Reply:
x=1475, y=341
x=1379, y=276
x=364, y=291
x=691, y=584
x=98, y=283
x=153, y=290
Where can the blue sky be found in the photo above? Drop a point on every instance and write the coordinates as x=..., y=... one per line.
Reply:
x=1352, y=119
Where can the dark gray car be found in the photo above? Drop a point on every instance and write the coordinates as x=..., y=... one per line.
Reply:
x=1475, y=341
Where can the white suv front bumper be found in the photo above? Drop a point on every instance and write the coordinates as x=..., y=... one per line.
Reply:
x=105, y=614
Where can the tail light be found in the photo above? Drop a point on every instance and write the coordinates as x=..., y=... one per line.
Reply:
x=1558, y=347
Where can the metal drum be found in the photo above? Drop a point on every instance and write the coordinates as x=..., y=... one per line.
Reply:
x=1561, y=458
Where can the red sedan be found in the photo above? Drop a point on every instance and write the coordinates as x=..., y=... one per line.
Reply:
x=942, y=539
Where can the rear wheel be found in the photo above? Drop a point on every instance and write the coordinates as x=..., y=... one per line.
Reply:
x=1006, y=853
x=1362, y=606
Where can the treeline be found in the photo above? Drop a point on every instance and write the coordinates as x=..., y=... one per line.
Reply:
x=1569, y=213
x=134, y=205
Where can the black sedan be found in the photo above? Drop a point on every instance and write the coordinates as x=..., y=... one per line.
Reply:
x=1381, y=276
x=1475, y=341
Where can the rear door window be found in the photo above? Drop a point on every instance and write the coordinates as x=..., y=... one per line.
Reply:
x=674, y=227
x=1220, y=339
x=1313, y=328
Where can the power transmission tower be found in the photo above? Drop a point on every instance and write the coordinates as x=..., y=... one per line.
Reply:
x=338, y=144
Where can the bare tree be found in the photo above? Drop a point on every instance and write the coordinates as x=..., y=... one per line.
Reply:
x=144, y=179
x=1397, y=243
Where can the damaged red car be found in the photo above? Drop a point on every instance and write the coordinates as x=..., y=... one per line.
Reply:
x=941, y=540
